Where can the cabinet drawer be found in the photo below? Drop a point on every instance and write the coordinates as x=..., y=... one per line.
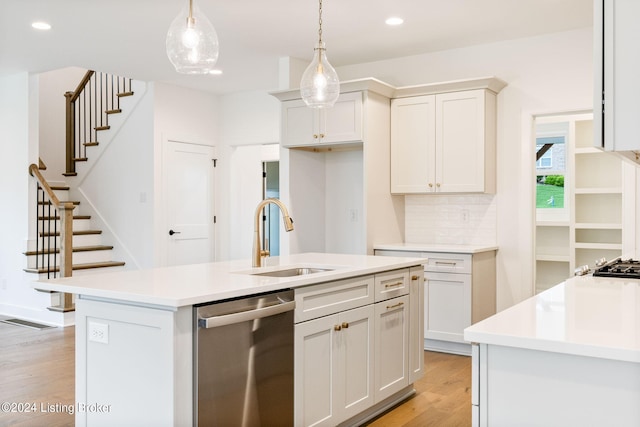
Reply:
x=448, y=262
x=328, y=298
x=391, y=284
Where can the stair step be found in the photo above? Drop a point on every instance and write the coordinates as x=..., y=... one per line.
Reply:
x=57, y=217
x=107, y=127
x=91, y=144
x=60, y=187
x=130, y=93
x=48, y=202
x=76, y=249
x=70, y=174
x=75, y=233
x=114, y=111
x=78, y=267
x=80, y=159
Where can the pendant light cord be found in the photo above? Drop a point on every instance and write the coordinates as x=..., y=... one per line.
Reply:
x=320, y=24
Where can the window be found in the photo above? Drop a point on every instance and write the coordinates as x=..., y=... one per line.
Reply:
x=551, y=166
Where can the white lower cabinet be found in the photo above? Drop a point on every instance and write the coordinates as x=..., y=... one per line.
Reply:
x=448, y=306
x=459, y=290
x=333, y=367
x=391, y=346
x=416, y=324
x=352, y=346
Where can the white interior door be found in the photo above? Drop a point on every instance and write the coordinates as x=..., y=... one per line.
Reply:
x=190, y=198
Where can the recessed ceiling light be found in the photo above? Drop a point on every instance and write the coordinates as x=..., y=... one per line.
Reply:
x=394, y=20
x=215, y=72
x=40, y=25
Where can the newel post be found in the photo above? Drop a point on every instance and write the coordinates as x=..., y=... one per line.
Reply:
x=70, y=123
x=66, y=251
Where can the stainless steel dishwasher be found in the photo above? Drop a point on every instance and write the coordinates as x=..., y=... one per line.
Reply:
x=243, y=361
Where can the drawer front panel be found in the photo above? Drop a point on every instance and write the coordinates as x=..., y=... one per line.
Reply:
x=328, y=298
x=391, y=284
x=448, y=262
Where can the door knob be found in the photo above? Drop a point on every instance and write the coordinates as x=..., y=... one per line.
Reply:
x=171, y=232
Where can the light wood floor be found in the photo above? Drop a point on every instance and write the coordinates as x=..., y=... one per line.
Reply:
x=37, y=367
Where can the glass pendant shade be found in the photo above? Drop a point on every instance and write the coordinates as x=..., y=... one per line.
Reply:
x=192, y=42
x=319, y=85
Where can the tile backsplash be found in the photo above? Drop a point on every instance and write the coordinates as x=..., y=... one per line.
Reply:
x=451, y=219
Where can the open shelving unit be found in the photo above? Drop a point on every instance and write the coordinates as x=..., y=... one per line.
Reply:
x=600, y=205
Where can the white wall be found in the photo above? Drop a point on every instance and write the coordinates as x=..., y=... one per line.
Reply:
x=18, y=108
x=249, y=118
x=245, y=192
x=550, y=73
x=116, y=185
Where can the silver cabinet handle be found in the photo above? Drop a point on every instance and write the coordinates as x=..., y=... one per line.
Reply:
x=243, y=316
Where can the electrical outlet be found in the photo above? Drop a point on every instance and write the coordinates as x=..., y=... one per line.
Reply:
x=99, y=332
x=465, y=215
x=353, y=215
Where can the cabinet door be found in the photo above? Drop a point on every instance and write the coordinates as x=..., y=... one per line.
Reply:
x=299, y=124
x=460, y=142
x=315, y=358
x=391, y=346
x=416, y=324
x=616, y=76
x=413, y=144
x=354, y=372
x=342, y=122
x=304, y=126
x=447, y=306
x=333, y=376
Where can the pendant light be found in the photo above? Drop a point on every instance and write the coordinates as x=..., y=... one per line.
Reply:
x=192, y=42
x=320, y=86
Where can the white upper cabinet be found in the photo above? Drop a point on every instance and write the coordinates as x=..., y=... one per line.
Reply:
x=444, y=143
x=303, y=126
x=617, y=65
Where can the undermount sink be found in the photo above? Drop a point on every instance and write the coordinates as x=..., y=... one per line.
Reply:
x=291, y=272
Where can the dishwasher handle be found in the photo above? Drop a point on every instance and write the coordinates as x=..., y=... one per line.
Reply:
x=243, y=316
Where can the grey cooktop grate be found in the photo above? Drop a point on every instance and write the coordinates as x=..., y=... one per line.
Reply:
x=25, y=323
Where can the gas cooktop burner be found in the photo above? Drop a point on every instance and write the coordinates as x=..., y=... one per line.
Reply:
x=628, y=268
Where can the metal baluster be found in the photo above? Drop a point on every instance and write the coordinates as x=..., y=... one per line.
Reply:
x=47, y=251
x=101, y=98
x=55, y=242
x=37, y=222
x=91, y=109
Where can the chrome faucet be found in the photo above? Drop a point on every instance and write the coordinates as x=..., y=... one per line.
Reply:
x=258, y=252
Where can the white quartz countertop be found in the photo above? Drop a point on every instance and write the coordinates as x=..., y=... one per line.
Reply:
x=586, y=316
x=427, y=247
x=198, y=283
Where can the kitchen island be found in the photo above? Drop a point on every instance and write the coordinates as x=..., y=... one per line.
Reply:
x=135, y=331
x=569, y=356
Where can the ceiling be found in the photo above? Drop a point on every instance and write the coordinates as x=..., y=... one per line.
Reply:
x=127, y=37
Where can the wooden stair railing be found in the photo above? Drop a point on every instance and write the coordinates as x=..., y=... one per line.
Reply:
x=46, y=245
x=88, y=109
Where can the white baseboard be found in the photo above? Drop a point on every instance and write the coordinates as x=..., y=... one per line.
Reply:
x=463, y=349
x=43, y=316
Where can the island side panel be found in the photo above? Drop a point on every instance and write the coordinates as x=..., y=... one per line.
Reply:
x=554, y=389
x=133, y=364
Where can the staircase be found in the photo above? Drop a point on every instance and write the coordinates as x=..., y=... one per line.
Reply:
x=65, y=241
x=87, y=249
